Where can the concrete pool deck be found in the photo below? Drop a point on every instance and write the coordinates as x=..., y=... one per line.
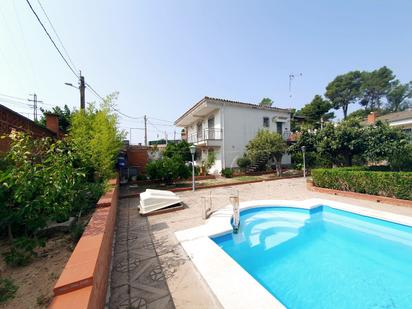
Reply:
x=185, y=285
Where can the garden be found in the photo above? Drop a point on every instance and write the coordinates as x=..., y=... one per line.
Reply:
x=48, y=191
x=374, y=159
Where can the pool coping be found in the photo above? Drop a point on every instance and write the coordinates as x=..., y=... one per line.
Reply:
x=233, y=286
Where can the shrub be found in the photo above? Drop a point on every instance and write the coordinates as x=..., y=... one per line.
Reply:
x=7, y=289
x=267, y=145
x=21, y=251
x=210, y=160
x=402, y=161
x=227, y=172
x=167, y=169
x=243, y=162
x=96, y=139
x=390, y=184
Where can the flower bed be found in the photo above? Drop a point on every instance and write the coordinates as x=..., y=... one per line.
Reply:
x=388, y=184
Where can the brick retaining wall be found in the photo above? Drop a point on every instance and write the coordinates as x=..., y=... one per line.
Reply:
x=83, y=282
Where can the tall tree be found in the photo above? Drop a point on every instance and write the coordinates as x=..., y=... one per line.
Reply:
x=344, y=90
x=316, y=111
x=267, y=102
x=399, y=96
x=341, y=142
x=64, y=115
x=375, y=85
x=267, y=144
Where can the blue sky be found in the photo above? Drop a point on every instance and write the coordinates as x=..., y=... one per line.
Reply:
x=163, y=56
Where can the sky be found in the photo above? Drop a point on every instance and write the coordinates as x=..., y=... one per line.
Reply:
x=164, y=56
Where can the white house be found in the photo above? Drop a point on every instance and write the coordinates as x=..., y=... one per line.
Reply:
x=402, y=120
x=225, y=127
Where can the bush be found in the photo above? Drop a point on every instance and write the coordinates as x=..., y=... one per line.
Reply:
x=227, y=172
x=167, y=169
x=7, y=290
x=21, y=252
x=402, y=161
x=243, y=162
x=390, y=184
x=95, y=137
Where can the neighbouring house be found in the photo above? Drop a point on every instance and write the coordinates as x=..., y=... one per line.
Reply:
x=401, y=120
x=11, y=120
x=225, y=127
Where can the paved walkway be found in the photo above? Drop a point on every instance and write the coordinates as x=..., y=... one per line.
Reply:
x=149, y=263
x=137, y=279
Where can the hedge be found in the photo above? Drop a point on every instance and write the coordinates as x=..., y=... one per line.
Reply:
x=389, y=184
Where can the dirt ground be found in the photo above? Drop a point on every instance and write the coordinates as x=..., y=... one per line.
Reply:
x=35, y=281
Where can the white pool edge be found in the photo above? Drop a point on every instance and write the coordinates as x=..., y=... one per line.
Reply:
x=232, y=285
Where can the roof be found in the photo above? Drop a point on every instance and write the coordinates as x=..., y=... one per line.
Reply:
x=231, y=102
x=396, y=116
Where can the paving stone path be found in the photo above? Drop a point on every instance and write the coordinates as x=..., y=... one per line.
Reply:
x=137, y=278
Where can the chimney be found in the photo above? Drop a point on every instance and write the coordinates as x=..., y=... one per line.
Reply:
x=52, y=123
x=372, y=117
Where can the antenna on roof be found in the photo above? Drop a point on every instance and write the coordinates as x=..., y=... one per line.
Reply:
x=292, y=76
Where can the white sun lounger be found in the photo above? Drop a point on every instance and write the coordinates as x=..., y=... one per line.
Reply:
x=152, y=200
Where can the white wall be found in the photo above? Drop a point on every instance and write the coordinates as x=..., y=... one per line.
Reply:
x=241, y=124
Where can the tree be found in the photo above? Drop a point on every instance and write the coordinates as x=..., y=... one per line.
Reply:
x=375, y=85
x=266, y=102
x=359, y=114
x=341, y=142
x=399, y=96
x=344, y=90
x=95, y=137
x=316, y=111
x=267, y=144
x=181, y=148
x=384, y=142
x=64, y=116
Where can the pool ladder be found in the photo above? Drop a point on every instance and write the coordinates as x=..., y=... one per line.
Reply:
x=234, y=200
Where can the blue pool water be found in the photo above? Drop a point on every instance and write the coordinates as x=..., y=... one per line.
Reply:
x=324, y=258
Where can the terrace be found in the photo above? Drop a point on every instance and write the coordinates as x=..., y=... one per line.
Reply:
x=150, y=266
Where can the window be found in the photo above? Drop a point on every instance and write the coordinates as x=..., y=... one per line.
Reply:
x=266, y=122
x=279, y=128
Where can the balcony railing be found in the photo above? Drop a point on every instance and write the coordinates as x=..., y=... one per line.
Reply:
x=211, y=134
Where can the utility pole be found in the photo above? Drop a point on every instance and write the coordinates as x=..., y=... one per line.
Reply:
x=82, y=87
x=35, y=101
x=145, y=130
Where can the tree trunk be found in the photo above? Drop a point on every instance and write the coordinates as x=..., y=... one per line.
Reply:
x=10, y=233
x=345, y=111
x=278, y=164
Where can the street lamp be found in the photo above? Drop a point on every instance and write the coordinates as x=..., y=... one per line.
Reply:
x=192, y=152
x=304, y=163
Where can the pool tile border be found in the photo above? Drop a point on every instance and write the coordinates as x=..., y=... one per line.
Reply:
x=232, y=285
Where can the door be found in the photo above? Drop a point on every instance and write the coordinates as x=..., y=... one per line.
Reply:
x=211, y=128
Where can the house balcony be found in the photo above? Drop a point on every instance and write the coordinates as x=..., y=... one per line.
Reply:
x=206, y=137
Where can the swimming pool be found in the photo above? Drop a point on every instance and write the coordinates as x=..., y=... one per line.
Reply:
x=323, y=257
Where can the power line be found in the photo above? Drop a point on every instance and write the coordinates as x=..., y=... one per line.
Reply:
x=51, y=39
x=124, y=115
x=57, y=35
x=12, y=97
x=94, y=91
x=161, y=120
x=29, y=60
